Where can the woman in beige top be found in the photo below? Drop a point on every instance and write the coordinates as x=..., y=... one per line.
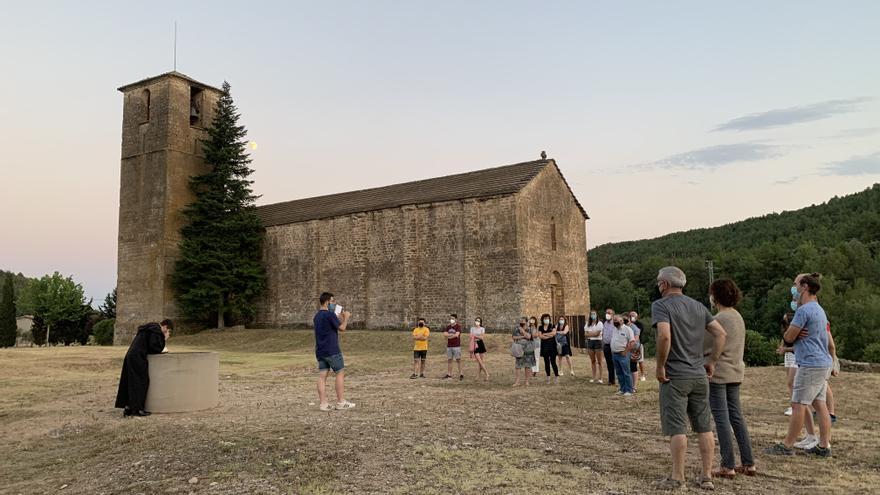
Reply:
x=724, y=384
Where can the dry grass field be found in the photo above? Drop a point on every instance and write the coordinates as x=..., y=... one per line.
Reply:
x=60, y=434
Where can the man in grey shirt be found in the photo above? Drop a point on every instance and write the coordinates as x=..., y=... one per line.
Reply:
x=683, y=373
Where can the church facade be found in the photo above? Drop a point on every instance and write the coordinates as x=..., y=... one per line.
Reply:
x=497, y=243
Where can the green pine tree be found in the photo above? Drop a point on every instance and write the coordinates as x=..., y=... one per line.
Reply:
x=8, y=325
x=108, y=310
x=220, y=272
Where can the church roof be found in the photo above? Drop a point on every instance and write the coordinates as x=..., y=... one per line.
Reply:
x=498, y=181
x=172, y=73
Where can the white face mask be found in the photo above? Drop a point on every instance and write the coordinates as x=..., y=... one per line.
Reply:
x=546, y=322
x=478, y=323
x=562, y=322
x=607, y=316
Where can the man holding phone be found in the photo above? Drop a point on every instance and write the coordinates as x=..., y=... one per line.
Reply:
x=327, y=352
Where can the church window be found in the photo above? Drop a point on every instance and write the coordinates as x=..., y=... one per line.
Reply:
x=146, y=105
x=195, y=106
x=553, y=233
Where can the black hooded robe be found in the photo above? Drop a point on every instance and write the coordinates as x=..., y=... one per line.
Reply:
x=135, y=379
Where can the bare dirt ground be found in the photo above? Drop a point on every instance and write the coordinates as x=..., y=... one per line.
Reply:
x=60, y=434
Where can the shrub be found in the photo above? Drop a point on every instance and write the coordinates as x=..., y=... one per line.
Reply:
x=759, y=351
x=872, y=353
x=103, y=331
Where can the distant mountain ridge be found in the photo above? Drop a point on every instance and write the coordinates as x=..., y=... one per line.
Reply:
x=839, y=239
x=854, y=216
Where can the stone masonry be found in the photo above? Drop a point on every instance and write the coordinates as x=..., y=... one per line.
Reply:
x=160, y=151
x=497, y=243
x=491, y=257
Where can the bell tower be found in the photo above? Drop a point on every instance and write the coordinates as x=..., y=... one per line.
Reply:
x=164, y=119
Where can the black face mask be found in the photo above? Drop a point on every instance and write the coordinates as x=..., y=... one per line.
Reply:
x=522, y=324
x=421, y=324
x=617, y=324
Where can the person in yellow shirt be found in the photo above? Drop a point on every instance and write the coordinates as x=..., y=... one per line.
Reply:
x=420, y=348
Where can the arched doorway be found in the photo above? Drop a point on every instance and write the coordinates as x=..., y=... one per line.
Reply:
x=557, y=295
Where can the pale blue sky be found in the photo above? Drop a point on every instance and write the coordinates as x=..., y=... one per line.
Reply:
x=663, y=115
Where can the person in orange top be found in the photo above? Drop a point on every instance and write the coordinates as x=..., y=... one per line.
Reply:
x=420, y=348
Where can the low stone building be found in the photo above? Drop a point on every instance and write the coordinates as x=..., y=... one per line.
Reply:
x=497, y=243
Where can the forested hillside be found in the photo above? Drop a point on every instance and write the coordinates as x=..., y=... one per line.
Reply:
x=840, y=239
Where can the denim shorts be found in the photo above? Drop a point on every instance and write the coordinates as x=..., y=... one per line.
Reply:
x=334, y=363
x=810, y=384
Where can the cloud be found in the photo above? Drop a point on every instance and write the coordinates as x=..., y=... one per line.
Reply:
x=786, y=181
x=855, y=133
x=793, y=115
x=717, y=156
x=856, y=165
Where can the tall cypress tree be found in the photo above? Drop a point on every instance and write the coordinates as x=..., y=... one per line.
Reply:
x=8, y=325
x=220, y=271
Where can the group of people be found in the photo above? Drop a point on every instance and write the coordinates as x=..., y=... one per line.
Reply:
x=700, y=369
x=531, y=340
x=700, y=366
x=616, y=340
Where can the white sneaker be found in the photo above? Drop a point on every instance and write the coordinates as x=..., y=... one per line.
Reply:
x=787, y=412
x=627, y=394
x=592, y=381
x=642, y=378
x=808, y=442
x=344, y=405
x=618, y=393
x=561, y=374
x=600, y=381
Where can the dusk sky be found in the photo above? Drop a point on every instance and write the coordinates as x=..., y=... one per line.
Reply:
x=663, y=116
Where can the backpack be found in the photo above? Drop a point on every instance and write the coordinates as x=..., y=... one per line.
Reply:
x=516, y=350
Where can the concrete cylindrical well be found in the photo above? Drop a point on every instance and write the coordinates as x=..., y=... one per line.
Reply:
x=183, y=381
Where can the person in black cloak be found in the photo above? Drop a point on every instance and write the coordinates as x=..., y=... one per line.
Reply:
x=135, y=378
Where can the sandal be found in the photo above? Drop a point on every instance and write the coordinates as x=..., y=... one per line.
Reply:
x=706, y=483
x=722, y=472
x=669, y=484
x=747, y=469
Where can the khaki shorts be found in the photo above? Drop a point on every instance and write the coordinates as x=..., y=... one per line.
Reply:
x=810, y=384
x=453, y=353
x=682, y=399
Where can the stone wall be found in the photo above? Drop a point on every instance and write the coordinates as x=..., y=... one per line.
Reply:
x=545, y=201
x=160, y=151
x=391, y=266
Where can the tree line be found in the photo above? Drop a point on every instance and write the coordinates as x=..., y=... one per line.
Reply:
x=60, y=310
x=839, y=239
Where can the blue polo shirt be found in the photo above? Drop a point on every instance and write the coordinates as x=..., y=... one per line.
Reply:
x=326, y=334
x=812, y=350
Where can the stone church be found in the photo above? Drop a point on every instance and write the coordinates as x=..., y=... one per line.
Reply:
x=497, y=243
